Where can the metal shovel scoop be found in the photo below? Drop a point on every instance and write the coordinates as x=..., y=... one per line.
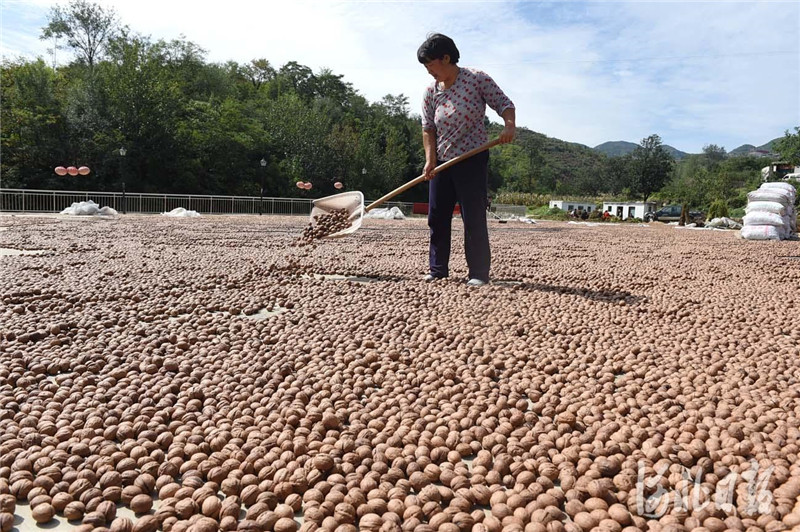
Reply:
x=354, y=201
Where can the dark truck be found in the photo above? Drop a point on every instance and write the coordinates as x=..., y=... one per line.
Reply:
x=672, y=213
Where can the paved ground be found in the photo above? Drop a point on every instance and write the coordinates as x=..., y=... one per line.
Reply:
x=629, y=345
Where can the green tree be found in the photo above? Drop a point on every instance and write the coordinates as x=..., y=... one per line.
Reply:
x=33, y=129
x=690, y=185
x=511, y=169
x=144, y=102
x=714, y=154
x=258, y=72
x=86, y=26
x=789, y=147
x=329, y=86
x=395, y=107
x=651, y=165
x=297, y=78
x=616, y=174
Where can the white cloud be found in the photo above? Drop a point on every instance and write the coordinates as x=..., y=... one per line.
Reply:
x=588, y=72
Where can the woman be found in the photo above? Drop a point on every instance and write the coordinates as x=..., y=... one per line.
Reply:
x=453, y=112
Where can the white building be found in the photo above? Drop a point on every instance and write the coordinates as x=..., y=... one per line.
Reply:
x=628, y=209
x=566, y=205
x=779, y=171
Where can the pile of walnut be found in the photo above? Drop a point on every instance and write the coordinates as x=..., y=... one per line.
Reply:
x=324, y=225
x=137, y=394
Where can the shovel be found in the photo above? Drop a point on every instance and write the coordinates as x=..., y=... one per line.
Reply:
x=353, y=202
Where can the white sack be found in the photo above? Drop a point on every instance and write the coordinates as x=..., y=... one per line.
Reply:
x=765, y=206
x=180, y=212
x=83, y=208
x=769, y=195
x=764, y=218
x=760, y=232
x=108, y=211
x=724, y=223
x=779, y=185
x=787, y=224
x=386, y=214
x=789, y=193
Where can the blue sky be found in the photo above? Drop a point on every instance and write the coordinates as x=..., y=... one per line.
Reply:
x=695, y=73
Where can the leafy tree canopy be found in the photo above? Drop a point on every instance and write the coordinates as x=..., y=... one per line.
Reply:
x=789, y=147
x=192, y=126
x=87, y=28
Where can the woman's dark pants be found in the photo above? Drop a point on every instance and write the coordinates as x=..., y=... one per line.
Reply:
x=465, y=183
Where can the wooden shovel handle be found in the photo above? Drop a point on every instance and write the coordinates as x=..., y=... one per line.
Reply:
x=420, y=179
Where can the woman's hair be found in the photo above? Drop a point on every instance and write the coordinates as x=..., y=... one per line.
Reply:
x=436, y=46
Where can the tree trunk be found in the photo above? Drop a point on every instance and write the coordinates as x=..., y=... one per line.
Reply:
x=684, y=213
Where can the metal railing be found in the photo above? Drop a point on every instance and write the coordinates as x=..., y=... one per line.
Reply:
x=55, y=201
x=22, y=200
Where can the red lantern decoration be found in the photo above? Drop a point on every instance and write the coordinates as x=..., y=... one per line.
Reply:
x=60, y=170
x=84, y=170
x=337, y=185
x=307, y=186
x=71, y=170
x=300, y=184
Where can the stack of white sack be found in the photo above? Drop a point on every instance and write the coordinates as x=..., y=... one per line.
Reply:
x=770, y=213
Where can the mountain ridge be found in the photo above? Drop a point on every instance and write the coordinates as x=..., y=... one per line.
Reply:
x=619, y=148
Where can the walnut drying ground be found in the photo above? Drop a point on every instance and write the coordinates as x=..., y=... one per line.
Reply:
x=130, y=368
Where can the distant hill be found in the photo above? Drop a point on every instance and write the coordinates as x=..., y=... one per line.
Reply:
x=744, y=149
x=616, y=148
x=676, y=153
x=621, y=147
x=554, y=160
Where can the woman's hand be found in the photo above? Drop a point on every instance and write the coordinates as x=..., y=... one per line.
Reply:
x=510, y=130
x=429, y=144
x=508, y=133
x=428, y=170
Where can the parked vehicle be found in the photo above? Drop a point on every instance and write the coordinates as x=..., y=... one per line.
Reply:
x=672, y=213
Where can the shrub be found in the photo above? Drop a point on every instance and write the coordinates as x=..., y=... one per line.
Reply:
x=547, y=213
x=718, y=209
x=521, y=198
x=737, y=214
x=738, y=201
